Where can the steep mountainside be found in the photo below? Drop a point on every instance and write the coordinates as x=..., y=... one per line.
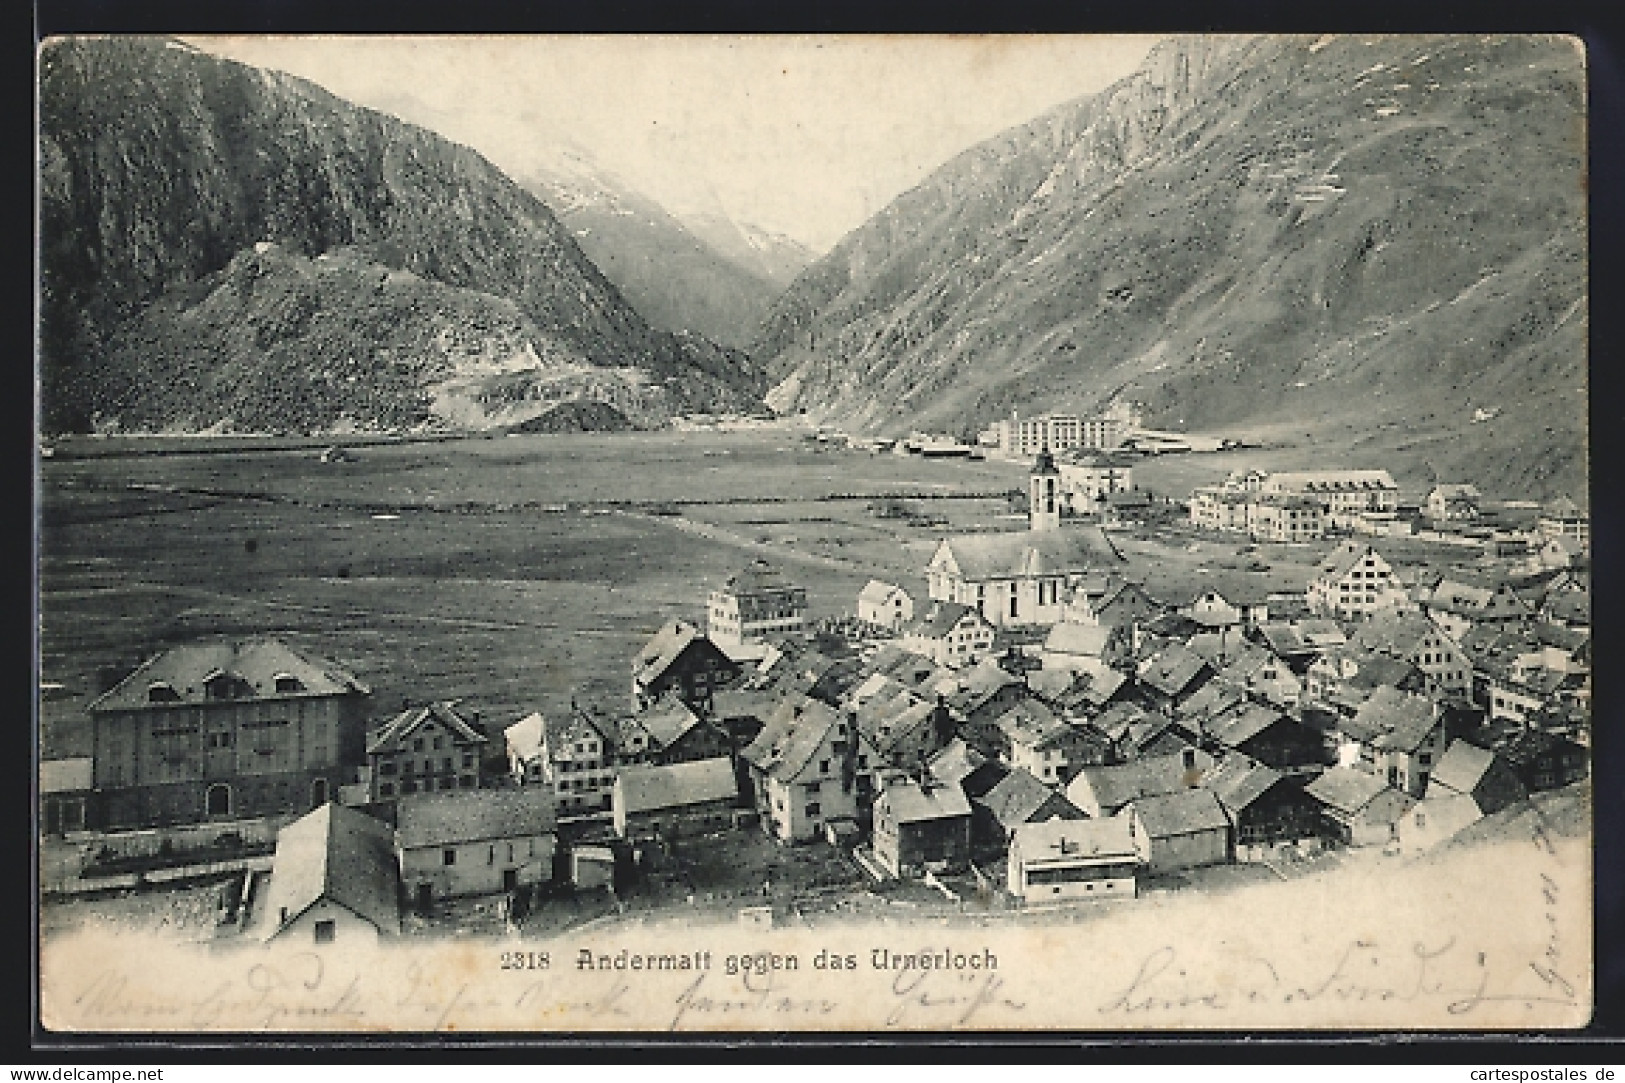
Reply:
x=1363, y=241
x=674, y=279
x=186, y=205
x=772, y=255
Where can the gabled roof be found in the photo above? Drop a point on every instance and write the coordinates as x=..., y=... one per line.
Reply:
x=792, y=735
x=1342, y=560
x=1455, y=492
x=742, y=703
x=1058, y=840
x=258, y=663
x=389, y=736
x=1231, y=656
x=878, y=593
x=1116, y=721
x=1462, y=767
x=1172, y=670
x=1398, y=633
x=1331, y=481
x=1211, y=699
x=1180, y=813
x=1030, y=722
x=1019, y=796
x=1393, y=719
x=667, y=720
x=954, y=761
x=913, y=803
x=1345, y=790
x=664, y=648
x=1115, y=786
x=758, y=577
x=459, y=816
x=1372, y=670
x=649, y=789
x=527, y=737
x=941, y=618
x=1024, y=554
x=889, y=724
x=1238, y=781
x=1564, y=508
x=338, y=854
x=1236, y=727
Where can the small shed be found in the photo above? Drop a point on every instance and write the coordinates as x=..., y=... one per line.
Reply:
x=692, y=797
x=1181, y=830
x=1470, y=771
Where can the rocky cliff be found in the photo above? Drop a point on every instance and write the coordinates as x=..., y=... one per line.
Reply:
x=1366, y=242
x=187, y=203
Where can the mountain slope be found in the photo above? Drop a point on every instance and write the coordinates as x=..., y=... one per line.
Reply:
x=674, y=279
x=1371, y=237
x=161, y=166
x=773, y=256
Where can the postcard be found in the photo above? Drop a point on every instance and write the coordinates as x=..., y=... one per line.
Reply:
x=570, y=534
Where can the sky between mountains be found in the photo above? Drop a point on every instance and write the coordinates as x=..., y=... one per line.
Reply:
x=804, y=136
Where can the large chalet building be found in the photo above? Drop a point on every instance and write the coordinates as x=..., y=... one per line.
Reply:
x=425, y=749
x=680, y=658
x=756, y=602
x=225, y=730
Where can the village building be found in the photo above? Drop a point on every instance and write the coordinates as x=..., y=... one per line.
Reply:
x=885, y=605
x=1299, y=643
x=1080, y=692
x=954, y=761
x=1053, y=749
x=1267, y=735
x=1341, y=680
x=1542, y=760
x=1357, y=808
x=526, y=745
x=904, y=730
x=1106, y=791
x=1110, y=601
x=950, y=634
x=1266, y=808
x=1248, y=666
x=669, y=732
x=1172, y=675
x=1457, y=606
x=679, y=658
x=580, y=752
x=755, y=604
x=225, y=730
x=1434, y=820
x=1017, y=579
x=1184, y=829
x=1563, y=518
x=1413, y=638
x=1066, y=860
x=922, y=826
x=1088, y=480
x=1004, y=798
x=1347, y=495
x=424, y=749
x=1353, y=582
x=1452, y=503
x=668, y=801
x=1477, y=773
x=1282, y=517
x=1023, y=437
x=67, y=795
x=477, y=842
x=1238, y=603
x=334, y=880
x=1397, y=736
x=808, y=767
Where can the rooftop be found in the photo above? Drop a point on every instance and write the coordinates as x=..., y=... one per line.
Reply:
x=1180, y=813
x=337, y=854
x=648, y=789
x=912, y=802
x=1063, y=840
x=253, y=669
x=459, y=816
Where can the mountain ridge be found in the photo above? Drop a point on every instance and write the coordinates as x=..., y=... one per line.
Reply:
x=1244, y=231
x=161, y=165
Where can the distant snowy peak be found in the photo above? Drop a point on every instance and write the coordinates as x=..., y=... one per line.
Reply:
x=774, y=256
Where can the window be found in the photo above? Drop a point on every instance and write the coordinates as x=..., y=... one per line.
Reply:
x=813, y=808
x=326, y=931
x=287, y=682
x=417, y=744
x=823, y=767
x=438, y=741
x=409, y=787
x=159, y=692
x=468, y=759
x=220, y=740
x=386, y=789
x=387, y=767
x=218, y=800
x=448, y=856
x=318, y=792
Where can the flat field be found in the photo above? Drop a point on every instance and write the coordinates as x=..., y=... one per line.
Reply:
x=513, y=573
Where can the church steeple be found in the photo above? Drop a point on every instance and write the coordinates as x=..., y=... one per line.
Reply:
x=1044, y=493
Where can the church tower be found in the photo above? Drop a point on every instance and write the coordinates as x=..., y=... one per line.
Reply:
x=1044, y=494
